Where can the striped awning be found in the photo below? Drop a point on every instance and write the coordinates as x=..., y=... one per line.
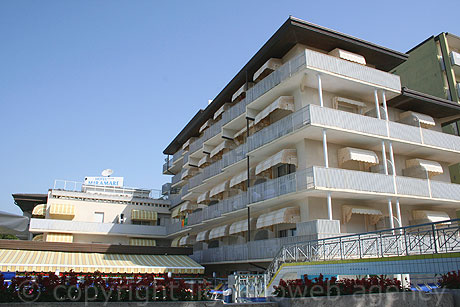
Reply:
x=189, y=172
x=348, y=211
x=48, y=261
x=143, y=215
x=59, y=237
x=204, y=161
x=188, y=206
x=238, y=227
x=288, y=215
x=206, y=125
x=142, y=242
x=187, y=240
x=218, y=189
x=221, y=110
x=202, y=236
x=241, y=177
x=425, y=121
x=348, y=101
x=219, y=232
x=359, y=155
x=432, y=167
x=286, y=156
x=269, y=66
x=225, y=144
x=203, y=198
x=431, y=216
x=175, y=242
x=282, y=103
x=62, y=209
x=176, y=212
x=38, y=238
x=188, y=142
x=39, y=210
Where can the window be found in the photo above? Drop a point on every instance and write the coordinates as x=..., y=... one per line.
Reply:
x=99, y=217
x=287, y=233
x=158, y=222
x=148, y=223
x=285, y=169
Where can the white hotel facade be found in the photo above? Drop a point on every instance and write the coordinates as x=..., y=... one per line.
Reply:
x=330, y=142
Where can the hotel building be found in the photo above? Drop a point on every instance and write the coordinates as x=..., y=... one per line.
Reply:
x=314, y=137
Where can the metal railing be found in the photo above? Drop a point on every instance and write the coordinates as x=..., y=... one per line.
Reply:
x=177, y=155
x=430, y=238
x=167, y=165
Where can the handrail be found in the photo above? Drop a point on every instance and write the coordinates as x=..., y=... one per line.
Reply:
x=427, y=238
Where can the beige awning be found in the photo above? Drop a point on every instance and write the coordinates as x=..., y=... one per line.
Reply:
x=424, y=120
x=431, y=216
x=286, y=156
x=220, y=188
x=355, y=103
x=189, y=172
x=288, y=215
x=239, y=92
x=39, y=210
x=348, y=211
x=269, y=66
x=204, y=161
x=175, y=242
x=202, y=198
x=143, y=215
x=206, y=125
x=51, y=261
x=187, y=240
x=282, y=103
x=39, y=237
x=225, y=144
x=188, y=206
x=359, y=155
x=176, y=212
x=59, y=237
x=241, y=177
x=188, y=142
x=142, y=242
x=221, y=110
x=219, y=232
x=432, y=167
x=202, y=236
x=66, y=210
x=238, y=227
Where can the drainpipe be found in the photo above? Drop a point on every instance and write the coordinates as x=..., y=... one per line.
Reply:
x=377, y=105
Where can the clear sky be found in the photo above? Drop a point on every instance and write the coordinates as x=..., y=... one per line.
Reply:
x=89, y=85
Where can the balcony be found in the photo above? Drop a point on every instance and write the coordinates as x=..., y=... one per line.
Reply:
x=455, y=60
x=77, y=227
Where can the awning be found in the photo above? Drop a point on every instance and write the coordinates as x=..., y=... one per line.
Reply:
x=219, y=232
x=206, y=125
x=359, y=155
x=204, y=161
x=242, y=131
x=224, y=186
x=143, y=215
x=187, y=143
x=282, y=103
x=187, y=240
x=269, y=66
x=375, y=214
x=202, y=198
x=225, y=144
x=39, y=210
x=425, y=121
x=189, y=172
x=47, y=261
x=286, y=156
x=176, y=212
x=38, y=238
x=142, y=242
x=288, y=215
x=188, y=206
x=175, y=242
x=241, y=177
x=432, y=167
x=239, y=92
x=221, y=110
x=62, y=210
x=202, y=236
x=355, y=103
x=238, y=227
x=59, y=237
x=430, y=216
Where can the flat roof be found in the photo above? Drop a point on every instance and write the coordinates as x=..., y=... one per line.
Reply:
x=293, y=31
x=411, y=100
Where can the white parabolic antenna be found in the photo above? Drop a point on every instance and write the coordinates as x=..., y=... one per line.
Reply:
x=107, y=172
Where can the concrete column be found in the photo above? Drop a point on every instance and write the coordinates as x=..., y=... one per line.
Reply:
x=392, y=158
x=320, y=91
x=384, y=103
x=398, y=212
x=377, y=105
x=390, y=213
x=384, y=158
x=329, y=206
x=325, y=155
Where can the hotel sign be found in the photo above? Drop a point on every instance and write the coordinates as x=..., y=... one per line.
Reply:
x=105, y=181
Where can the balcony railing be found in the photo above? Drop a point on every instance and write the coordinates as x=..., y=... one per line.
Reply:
x=177, y=155
x=235, y=111
x=176, y=178
x=167, y=165
x=51, y=225
x=432, y=238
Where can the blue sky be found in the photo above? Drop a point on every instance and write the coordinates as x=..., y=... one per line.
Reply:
x=89, y=85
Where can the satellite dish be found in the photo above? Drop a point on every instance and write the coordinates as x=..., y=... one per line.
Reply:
x=107, y=172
